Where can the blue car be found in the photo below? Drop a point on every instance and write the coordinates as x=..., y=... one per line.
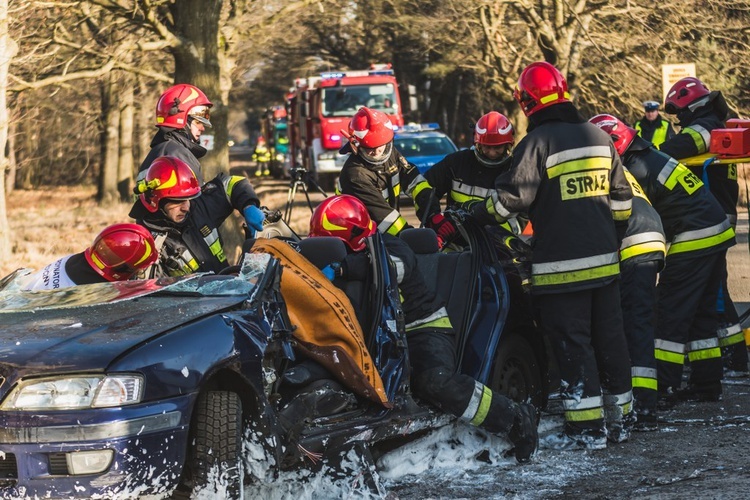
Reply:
x=138, y=388
x=423, y=145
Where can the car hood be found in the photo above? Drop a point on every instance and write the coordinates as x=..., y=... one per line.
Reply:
x=90, y=338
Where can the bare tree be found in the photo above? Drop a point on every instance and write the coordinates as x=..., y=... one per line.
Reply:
x=7, y=52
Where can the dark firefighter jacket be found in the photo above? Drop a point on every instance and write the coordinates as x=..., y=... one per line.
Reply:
x=644, y=238
x=462, y=177
x=695, y=139
x=194, y=245
x=568, y=177
x=174, y=142
x=379, y=187
x=692, y=218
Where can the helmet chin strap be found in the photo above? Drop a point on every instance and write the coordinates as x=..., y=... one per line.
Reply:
x=490, y=163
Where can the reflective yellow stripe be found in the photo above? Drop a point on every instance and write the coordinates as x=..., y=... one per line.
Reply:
x=731, y=335
x=669, y=357
x=701, y=243
x=696, y=133
x=552, y=97
x=443, y=322
x=583, y=412
x=643, y=248
x=397, y=226
x=461, y=198
x=484, y=407
x=419, y=188
x=712, y=353
x=230, y=183
x=644, y=383
x=579, y=165
x=576, y=276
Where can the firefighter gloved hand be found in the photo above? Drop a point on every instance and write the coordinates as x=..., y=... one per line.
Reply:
x=254, y=218
x=332, y=270
x=444, y=228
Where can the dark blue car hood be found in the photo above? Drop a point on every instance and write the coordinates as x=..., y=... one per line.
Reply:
x=89, y=338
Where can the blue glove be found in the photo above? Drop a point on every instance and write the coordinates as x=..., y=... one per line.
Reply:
x=254, y=218
x=331, y=270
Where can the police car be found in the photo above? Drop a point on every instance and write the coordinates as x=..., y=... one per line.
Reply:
x=423, y=144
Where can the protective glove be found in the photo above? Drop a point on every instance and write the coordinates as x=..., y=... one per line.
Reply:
x=444, y=228
x=331, y=270
x=254, y=218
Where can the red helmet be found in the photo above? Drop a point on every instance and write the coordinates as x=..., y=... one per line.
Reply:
x=121, y=250
x=179, y=102
x=493, y=129
x=622, y=135
x=345, y=217
x=371, y=128
x=167, y=178
x=539, y=86
x=683, y=93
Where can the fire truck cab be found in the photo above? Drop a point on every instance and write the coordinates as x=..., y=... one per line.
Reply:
x=321, y=107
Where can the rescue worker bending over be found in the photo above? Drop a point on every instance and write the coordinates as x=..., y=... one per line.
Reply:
x=642, y=255
x=465, y=175
x=375, y=171
x=567, y=176
x=699, y=235
x=700, y=111
x=185, y=220
x=118, y=252
x=430, y=335
x=182, y=115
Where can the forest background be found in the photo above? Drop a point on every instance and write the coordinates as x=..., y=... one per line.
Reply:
x=79, y=79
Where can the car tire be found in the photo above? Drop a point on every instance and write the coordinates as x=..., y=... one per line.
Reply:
x=217, y=441
x=517, y=372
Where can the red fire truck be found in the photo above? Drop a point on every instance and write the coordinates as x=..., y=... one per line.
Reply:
x=321, y=106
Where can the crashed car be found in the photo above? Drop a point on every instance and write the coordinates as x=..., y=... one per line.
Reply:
x=149, y=387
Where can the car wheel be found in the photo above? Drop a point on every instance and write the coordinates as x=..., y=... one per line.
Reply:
x=217, y=442
x=516, y=372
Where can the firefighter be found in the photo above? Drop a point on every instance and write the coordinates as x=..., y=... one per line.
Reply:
x=700, y=111
x=465, y=175
x=262, y=158
x=375, y=171
x=184, y=218
x=652, y=126
x=118, y=252
x=430, y=336
x=642, y=254
x=567, y=176
x=182, y=115
x=699, y=235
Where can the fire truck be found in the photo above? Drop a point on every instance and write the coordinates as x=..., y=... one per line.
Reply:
x=319, y=107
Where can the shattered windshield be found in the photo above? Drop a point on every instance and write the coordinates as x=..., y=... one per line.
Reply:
x=346, y=100
x=14, y=298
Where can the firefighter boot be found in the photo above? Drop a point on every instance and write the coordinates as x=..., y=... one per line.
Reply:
x=523, y=434
x=585, y=439
x=618, y=418
x=702, y=393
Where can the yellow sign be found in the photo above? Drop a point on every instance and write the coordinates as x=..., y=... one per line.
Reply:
x=671, y=73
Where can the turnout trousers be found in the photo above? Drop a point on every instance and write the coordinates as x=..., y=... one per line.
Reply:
x=687, y=320
x=638, y=291
x=585, y=330
x=731, y=337
x=434, y=379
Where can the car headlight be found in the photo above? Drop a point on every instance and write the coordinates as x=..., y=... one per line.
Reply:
x=75, y=392
x=327, y=156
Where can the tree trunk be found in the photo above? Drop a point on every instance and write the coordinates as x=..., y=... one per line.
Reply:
x=10, y=180
x=201, y=61
x=125, y=162
x=8, y=49
x=145, y=116
x=107, y=189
